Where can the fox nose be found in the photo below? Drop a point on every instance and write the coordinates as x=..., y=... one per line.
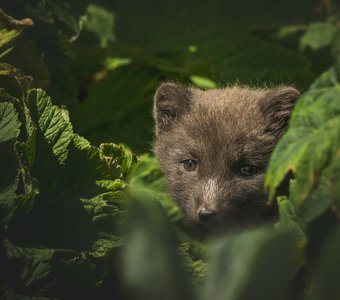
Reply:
x=206, y=215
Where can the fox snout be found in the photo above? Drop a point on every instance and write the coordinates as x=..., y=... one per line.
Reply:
x=206, y=215
x=206, y=201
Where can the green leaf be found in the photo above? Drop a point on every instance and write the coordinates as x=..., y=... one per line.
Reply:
x=310, y=146
x=115, y=62
x=326, y=80
x=242, y=266
x=289, y=221
x=108, y=164
x=56, y=130
x=14, y=169
x=46, y=271
x=118, y=157
x=6, y=38
x=36, y=263
x=62, y=13
x=151, y=265
x=6, y=292
x=317, y=36
x=325, y=281
x=107, y=212
x=100, y=22
x=9, y=123
x=102, y=207
x=148, y=177
x=289, y=30
x=202, y=82
x=196, y=268
x=8, y=204
x=322, y=197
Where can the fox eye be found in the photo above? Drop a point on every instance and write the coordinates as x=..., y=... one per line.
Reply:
x=189, y=165
x=248, y=170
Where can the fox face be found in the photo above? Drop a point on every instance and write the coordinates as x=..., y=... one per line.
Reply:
x=214, y=146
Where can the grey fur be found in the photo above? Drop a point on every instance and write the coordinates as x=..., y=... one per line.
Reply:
x=222, y=129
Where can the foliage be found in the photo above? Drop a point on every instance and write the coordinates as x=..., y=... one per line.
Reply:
x=69, y=192
x=85, y=220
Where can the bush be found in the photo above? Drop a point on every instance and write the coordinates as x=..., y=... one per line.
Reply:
x=86, y=219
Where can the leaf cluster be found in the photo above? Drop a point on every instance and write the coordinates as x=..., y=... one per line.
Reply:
x=86, y=221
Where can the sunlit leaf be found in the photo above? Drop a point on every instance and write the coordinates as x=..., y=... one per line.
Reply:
x=115, y=62
x=9, y=123
x=100, y=21
x=56, y=130
x=6, y=38
x=202, y=82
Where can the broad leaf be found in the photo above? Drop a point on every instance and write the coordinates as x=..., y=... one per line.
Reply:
x=310, y=147
x=151, y=265
x=56, y=130
x=325, y=283
x=242, y=267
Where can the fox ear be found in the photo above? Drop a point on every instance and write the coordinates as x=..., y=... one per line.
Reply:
x=277, y=106
x=170, y=102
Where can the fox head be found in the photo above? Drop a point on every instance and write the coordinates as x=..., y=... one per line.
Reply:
x=214, y=146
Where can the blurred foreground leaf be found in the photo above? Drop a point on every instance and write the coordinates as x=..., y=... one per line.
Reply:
x=150, y=263
x=242, y=267
x=325, y=283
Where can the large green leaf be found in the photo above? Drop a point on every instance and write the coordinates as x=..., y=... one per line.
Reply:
x=310, y=147
x=151, y=264
x=242, y=267
x=81, y=204
x=325, y=282
x=90, y=184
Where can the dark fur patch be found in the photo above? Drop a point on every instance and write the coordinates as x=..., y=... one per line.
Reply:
x=223, y=130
